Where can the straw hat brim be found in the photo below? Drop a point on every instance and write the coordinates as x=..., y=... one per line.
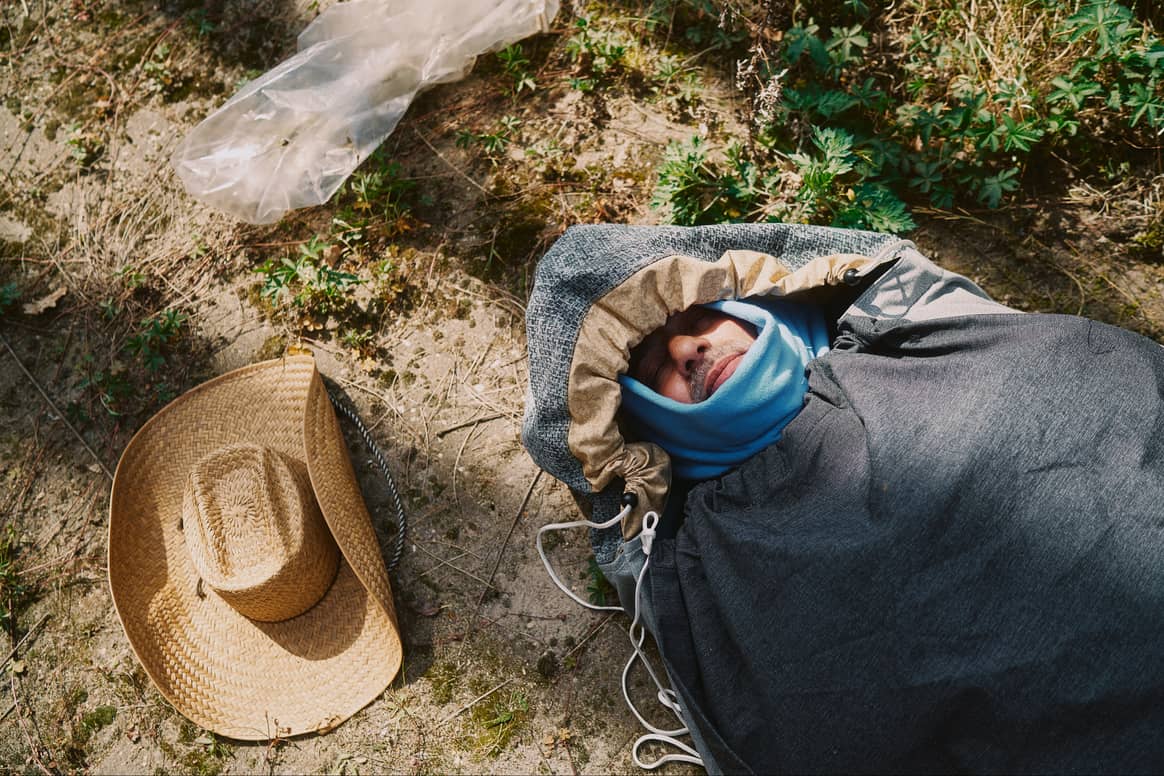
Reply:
x=237, y=677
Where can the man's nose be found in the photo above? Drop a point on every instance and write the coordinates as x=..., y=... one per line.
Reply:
x=687, y=352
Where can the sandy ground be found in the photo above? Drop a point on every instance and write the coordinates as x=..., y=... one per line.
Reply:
x=502, y=673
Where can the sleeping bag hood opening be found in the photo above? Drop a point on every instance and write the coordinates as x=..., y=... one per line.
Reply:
x=601, y=289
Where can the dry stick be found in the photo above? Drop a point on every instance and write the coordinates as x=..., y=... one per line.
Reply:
x=457, y=462
x=458, y=548
x=470, y=422
x=441, y=565
x=500, y=554
x=452, y=166
x=443, y=562
x=593, y=632
x=58, y=413
x=472, y=703
x=33, y=746
x=20, y=643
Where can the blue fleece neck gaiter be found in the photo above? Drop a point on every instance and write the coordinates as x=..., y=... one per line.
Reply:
x=749, y=411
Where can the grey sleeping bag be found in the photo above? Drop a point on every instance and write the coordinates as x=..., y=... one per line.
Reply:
x=953, y=559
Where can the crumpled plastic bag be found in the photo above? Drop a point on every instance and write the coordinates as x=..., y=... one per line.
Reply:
x=291, y=137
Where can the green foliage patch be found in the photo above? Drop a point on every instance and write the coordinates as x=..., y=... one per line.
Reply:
x=856, y=119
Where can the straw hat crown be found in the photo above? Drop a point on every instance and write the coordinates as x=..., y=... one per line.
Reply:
x=255, y=532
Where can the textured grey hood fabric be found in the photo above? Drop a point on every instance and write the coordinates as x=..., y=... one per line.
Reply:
x=588, y=261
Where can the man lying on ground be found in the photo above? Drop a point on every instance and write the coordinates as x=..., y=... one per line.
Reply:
x=923, y=531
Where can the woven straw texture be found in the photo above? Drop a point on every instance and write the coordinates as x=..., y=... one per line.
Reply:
x=241, y=678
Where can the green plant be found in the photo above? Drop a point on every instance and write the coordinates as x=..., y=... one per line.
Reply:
x=85, y=146
x=597, y=50
x=306, y=281
x=500, y=717
x=158, y=72
x=15, y=590
x=377, y=194
x=154, y=336
x=851, y=125
x=516, y=66
x=598, y=589
x=493, y=143
x=835, y=187
x=132, y=277
x=110, y=386
x=9, y=296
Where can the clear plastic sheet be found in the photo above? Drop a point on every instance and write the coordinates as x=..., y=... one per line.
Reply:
x=291, y=137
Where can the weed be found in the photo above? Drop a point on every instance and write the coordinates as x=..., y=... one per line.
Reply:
x=377, y=194
x=9, y=296
x=495, y=142
x=131, y=277
x=85, y=146
x=200, y=22
x=207, y=759
x=516, y=66
x=499, y=718
x=595, y=49
x=947, y=119
x=154, y=336
x=306, y=281
x=15, y=590
x=598, y=590
x=158, y=73
x=110, y=386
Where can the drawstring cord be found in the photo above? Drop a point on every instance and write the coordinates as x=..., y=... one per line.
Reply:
x=637, y=634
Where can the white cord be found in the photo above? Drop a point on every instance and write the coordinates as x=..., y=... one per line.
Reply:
x=689, y=756
x=577, y=524
x=666, y=696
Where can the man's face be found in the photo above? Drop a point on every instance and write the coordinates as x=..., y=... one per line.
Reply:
x=692, y=354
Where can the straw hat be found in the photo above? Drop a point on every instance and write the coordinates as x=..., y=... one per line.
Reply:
x=242, y=560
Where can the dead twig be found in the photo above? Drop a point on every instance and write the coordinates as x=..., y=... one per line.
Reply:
x=452, y=166
x=593, y=632
x=25, y=638
x=449, y=563
x=55, y=409
x=501, y=553
x=33, y=746
x=457, y=462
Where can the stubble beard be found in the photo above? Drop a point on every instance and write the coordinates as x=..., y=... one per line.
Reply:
x=697, y=383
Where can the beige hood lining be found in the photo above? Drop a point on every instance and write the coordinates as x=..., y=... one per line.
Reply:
x=627, y=314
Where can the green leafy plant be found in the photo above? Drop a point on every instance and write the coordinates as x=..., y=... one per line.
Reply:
x=15, y=590
x=110, y=386
x=854, y=123
x=306, y=281
x=598, y=589
x=493, y=143
x=516, y=66
x=9, y=296
x=377, y=197
x=154, y=336
x=595, y=49
x=836, y=187
x=85, y=146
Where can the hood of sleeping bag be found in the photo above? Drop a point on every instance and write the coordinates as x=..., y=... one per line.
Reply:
x=601, y=289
